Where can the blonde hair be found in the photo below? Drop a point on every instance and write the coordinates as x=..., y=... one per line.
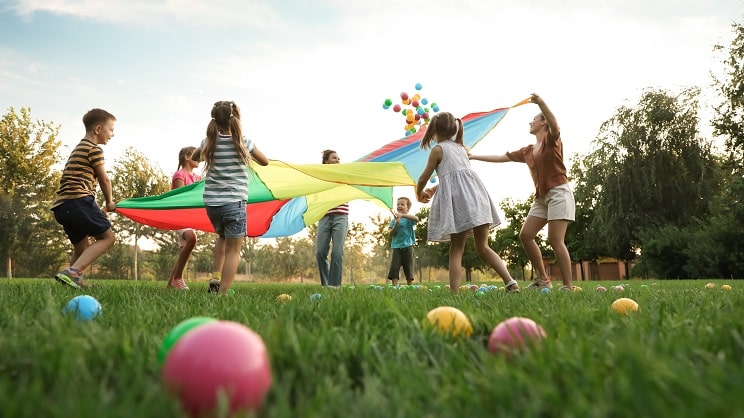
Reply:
x=225, y=116
x=443, y=125
x=407, y=200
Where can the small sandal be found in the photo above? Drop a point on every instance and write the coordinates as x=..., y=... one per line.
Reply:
x=512, y=286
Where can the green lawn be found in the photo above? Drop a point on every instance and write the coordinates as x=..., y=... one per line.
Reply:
x=364, y=352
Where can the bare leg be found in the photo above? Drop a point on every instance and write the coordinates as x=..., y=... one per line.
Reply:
x=85, y=253
x=557, y=238
x=457, y=248
x=183, y=254
x=480, y=234
x=231, y=262
x=78, y=249
x=219, y=255
x=533, y=225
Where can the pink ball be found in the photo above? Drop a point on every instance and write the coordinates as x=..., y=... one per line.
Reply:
x=601, y=289
x=514, y=334
x=216, y=360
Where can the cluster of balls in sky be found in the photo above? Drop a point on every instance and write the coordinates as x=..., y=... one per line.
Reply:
x=415, y=109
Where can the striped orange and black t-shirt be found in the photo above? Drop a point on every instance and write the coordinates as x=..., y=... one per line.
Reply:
x=79, y=176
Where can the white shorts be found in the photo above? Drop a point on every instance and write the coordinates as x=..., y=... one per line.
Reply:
x=179, y=233
x=558, y=204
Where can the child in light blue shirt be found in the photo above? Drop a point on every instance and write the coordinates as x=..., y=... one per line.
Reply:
x=402, y=239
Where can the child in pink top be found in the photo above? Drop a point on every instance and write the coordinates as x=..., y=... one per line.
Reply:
x=187, y=236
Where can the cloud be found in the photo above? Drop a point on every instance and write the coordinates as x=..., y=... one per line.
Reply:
x=251, y=13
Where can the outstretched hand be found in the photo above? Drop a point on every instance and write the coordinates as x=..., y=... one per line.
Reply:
x=534, y=98
x=426, y=196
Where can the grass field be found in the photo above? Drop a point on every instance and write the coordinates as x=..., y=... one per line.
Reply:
x=365, y=353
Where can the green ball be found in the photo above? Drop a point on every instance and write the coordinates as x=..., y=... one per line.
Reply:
x=179, y=331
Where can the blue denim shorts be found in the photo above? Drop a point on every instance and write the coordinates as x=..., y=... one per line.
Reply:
x=228, y=220
x=81, y=218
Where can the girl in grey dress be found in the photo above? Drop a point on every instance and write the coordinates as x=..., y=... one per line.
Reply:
x=460, y=204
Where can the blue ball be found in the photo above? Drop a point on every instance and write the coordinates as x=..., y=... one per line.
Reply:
x=418, y=86
x=545, y=290
x=84, y=307
x=315, y=296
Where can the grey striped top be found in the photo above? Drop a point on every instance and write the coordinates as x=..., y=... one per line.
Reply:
x=227, y=178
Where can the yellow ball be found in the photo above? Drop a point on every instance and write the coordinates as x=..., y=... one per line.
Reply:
x=726, y=287
x=710, y=286
x=451, y=321
x=625, y=306
x=577, y=289
x=283, y=297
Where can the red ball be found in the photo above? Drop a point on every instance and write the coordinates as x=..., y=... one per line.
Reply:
x=396, y=108
x=514, y=334
x=216, y=360
x=404, y=96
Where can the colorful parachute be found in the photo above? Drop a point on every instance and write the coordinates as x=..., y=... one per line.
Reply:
x=282, y=200
x=285, y=198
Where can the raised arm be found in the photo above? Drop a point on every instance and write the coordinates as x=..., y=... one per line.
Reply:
x=549, y=116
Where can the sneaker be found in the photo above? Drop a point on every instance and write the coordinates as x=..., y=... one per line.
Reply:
x=214, y=286
x=178, y=283
x=68, y=278
x=568, y=289
x=540, y=284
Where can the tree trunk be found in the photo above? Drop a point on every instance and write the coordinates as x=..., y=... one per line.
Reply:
x=9, y=271
x=136, y=269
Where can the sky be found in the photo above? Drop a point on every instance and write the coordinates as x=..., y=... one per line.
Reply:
x=313, y=74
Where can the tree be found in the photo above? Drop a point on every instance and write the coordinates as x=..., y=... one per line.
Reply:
x=578, y=240
x=134, y=176
x=649, y=168
x=30, y=239
x=304, y=250
x=716, y=243
x=728, y=121
x=355, y=259
x=429, y=255
x=380, y=240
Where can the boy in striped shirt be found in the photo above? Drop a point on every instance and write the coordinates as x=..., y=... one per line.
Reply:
x=75, y=207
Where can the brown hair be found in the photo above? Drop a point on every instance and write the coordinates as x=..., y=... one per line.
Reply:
x=96, y=117
x=225, y=116
x=443, y=125
x=408, y=201
x=327, y=154
x=185, y=151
